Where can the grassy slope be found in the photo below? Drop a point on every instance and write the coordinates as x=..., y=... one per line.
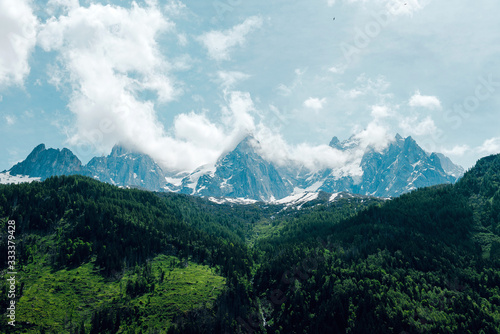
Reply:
x=58, y=301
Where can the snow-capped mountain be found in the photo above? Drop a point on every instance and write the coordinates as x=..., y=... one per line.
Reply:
x=244, y=174
x=400, y=167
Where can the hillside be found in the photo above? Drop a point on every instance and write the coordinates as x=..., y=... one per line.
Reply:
x=87, y=250
x=426, y=262
x=98, y=259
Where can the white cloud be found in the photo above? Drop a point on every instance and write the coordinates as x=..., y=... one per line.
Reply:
x=365, y=86
x=219, y=44
x=330, y=3
x=413, y=126
x=65, y=5
x=182, y=38
x=285, y=90
x=108, y=56
x=11, y=120
x=375, y=135
x=274, y=148
x=18, y=28
x=490, y=146
x=227, y=79
x=314, y=103
x=380, y=111
x=339, y=69
x=238, y=115
x=457, y=151
x=424, y=101
x=175, y=7
x=197, y=129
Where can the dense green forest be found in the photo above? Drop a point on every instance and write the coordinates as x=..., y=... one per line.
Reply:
x=93, y=258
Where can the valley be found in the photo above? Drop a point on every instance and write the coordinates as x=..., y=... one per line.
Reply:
x=96, y=258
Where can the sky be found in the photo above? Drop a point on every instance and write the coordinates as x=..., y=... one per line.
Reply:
x=185, y=80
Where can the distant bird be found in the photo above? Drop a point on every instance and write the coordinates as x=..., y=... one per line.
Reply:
x=334, y=19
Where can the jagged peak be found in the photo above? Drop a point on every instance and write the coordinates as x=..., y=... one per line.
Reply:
x=347, y=144
x=36, y=151
x=334, y=142
x=410, y=139
x=247, y=144
x=398, y=137
x=42, y=148
x=119, y=150
x=39, y=148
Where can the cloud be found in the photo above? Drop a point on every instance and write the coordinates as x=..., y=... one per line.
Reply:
x=314, y=103
x=457, y=151
x=18, y=28
x=380, y=111
x=330, y=3
x=419, y=128
x=338, y=69
x=238, y=115
x=429, y=102
x=175, y=7
x=314, y=158
x=274, y=148
x=375, y=135
x=65, y=5
x=219, y=44
x=182, y=38
x=108, y=56
x=198, y=141
x=285, y=90
x=227, y=79
x=11, y=120
x=490, y=146
x=365, y=86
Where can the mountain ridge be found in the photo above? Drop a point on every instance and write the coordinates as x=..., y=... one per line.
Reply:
x=243, y=173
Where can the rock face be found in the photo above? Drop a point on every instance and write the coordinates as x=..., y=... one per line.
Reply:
x=449, y=167
x=45, y=163
x=242, y=173
x=401, y=167
x=126, y=168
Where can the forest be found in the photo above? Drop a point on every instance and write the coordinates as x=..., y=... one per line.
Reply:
x=94, y=258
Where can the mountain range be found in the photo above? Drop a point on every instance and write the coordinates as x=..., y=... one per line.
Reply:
x=244, y=173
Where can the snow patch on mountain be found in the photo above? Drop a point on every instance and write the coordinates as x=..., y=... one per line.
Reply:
x=6, y=178
x=229, y=200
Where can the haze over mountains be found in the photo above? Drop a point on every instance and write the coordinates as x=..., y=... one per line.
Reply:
x=400, y=167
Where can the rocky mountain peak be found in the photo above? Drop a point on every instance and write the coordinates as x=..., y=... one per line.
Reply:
x=119, y=150
x=243, y=173
x=335, y=143
x=44, y=163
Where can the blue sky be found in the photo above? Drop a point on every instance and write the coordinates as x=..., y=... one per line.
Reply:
x=184, y=81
